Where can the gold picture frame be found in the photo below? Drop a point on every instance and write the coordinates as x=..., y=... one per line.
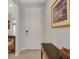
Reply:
x=60, y=13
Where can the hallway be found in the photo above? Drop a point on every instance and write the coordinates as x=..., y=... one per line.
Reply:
x=34, y=26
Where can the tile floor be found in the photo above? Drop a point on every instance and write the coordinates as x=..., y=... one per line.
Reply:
x=29, y=54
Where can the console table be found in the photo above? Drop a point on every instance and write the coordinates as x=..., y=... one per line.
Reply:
x=11, y=43
x=49, y=51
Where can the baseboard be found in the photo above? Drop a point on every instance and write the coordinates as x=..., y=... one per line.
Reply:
x=30, y=50
x=33, y=49
x=24, y=49
x=18, y=53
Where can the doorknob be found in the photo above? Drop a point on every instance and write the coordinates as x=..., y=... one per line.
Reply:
x=26, y=31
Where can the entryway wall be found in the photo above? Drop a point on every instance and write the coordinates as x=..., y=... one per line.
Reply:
x=31, y=19
x=60, y=37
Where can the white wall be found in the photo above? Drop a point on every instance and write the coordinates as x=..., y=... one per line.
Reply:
x=31, y=19
x=58, y=36
x=17, y=42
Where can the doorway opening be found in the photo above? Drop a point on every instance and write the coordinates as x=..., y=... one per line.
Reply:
x=11, y=33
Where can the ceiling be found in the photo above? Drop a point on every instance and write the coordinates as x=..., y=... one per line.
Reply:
x=25, y=3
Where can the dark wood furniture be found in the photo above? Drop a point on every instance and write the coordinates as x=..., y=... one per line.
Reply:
x=11, y=43
x=49, y=51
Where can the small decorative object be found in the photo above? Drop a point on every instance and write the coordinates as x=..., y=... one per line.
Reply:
x=60, y=13
x=8, y=24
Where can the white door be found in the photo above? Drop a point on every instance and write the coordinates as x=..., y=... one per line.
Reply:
x=33, y=23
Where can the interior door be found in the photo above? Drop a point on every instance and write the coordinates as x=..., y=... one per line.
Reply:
x=33, y=28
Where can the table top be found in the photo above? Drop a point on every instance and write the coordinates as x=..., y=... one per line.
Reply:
x=51, y=50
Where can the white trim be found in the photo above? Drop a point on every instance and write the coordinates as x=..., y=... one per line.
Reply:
x=18, y=53
x=23, y=49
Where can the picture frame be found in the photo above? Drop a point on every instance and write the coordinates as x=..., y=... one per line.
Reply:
x=60, y=13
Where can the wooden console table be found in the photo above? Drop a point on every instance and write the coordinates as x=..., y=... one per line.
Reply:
x=11, y=43
x=49, y=51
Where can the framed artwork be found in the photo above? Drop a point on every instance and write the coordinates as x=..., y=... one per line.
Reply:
x=60, y=13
